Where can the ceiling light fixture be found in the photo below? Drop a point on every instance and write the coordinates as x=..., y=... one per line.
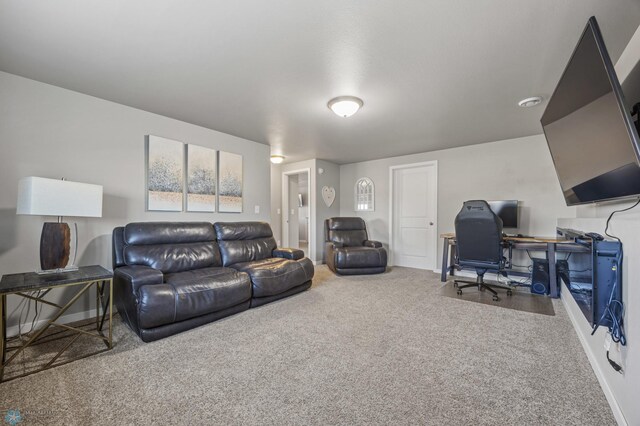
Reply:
x=345, y=106
x=277, y=159
x=530, y=102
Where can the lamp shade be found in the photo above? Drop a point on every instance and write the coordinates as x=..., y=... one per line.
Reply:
x=52, y=197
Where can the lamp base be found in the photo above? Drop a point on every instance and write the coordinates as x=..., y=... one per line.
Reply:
x=55, y=246
x=72, y=268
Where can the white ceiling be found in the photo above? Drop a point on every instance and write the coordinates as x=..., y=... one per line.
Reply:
x=432, y=74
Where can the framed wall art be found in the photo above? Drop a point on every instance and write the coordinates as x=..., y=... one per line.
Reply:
x=230, y=183
x=201, y=179
x=165, y=174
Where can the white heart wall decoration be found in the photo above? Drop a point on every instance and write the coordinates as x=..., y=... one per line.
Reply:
x=328, y=195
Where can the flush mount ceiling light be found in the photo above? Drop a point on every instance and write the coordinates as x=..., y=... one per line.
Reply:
x=530, y=102
x=277, y=159
x=345, y=106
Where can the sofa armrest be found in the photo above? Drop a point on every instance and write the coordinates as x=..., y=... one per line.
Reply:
x=127, y=281
x=138, y=275
x=288, y=253
x=370, y=243
x=335, y=244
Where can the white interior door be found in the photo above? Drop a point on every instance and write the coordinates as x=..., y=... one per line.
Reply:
x=414, y=210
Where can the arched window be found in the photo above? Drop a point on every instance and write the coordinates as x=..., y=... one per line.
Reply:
x=364, y=195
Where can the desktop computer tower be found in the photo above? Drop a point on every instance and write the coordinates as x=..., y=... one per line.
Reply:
x=607, y=280
x=540, y=276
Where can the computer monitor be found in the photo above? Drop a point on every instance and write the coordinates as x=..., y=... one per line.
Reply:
x=507, y=210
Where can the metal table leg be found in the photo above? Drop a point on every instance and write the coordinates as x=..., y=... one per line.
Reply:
x=3, y=333
x=553, y=281
x=445, y=260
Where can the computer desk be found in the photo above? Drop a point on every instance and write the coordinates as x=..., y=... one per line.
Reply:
x=550, y=245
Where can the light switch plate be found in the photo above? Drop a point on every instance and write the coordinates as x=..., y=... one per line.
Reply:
x=278, y=211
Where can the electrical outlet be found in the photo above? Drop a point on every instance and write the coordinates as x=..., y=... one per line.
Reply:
x=257, y=209
x=279, y=211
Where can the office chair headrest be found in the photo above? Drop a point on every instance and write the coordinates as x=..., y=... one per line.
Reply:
x=478, y=205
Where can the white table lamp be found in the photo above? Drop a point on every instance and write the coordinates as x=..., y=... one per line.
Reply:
x=51, y=197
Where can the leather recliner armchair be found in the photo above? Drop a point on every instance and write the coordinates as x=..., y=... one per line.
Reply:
x=348, y=251
x=275, y=273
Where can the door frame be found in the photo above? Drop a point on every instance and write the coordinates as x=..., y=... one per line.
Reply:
x=392, y=169
x=286, y=211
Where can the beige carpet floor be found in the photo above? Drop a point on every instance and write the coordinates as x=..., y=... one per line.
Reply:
x=384, y=349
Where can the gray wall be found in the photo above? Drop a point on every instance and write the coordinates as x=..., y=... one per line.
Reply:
x=518, y=169
x=52, y=132
x=330, y=177
x=276, y=202
x=620, y=389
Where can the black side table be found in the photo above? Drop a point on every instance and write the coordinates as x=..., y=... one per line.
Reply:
x=83, y=280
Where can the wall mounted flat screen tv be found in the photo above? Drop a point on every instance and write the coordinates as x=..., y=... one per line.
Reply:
x=593, y=140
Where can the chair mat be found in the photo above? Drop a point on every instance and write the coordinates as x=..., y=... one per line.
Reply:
x=521, y=300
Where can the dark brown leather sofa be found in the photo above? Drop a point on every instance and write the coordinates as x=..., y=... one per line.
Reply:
x=275, y=273
x=348, y=250
x=172, y=276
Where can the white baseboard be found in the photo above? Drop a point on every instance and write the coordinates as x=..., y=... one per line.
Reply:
x=78, y=316
x=608, y=393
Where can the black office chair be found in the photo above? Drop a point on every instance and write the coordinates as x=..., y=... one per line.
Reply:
x=479, y=245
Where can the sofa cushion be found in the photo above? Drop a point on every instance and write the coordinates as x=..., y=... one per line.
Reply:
x=244, y=241
x=353, y=238
x=174, y=257
x=189, y=294
x=273, y=276
x=360, y=257
x=228, y=231
x=144, y=233
x=347, y=231
x=167, y=246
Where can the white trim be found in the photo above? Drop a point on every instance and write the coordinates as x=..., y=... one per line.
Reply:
x=65, y=319
x=432, y=163
x=285, y=210
x=593, y=360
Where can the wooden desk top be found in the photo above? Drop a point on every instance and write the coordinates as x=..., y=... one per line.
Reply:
x=452, y=236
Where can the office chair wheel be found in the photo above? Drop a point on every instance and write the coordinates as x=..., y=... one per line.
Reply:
x=459, y=292
x=455, y=284
x=509, y=293
x=495, y=298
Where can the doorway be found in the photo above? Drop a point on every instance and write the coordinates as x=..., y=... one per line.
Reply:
x=297, y=205
x=413, y=230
